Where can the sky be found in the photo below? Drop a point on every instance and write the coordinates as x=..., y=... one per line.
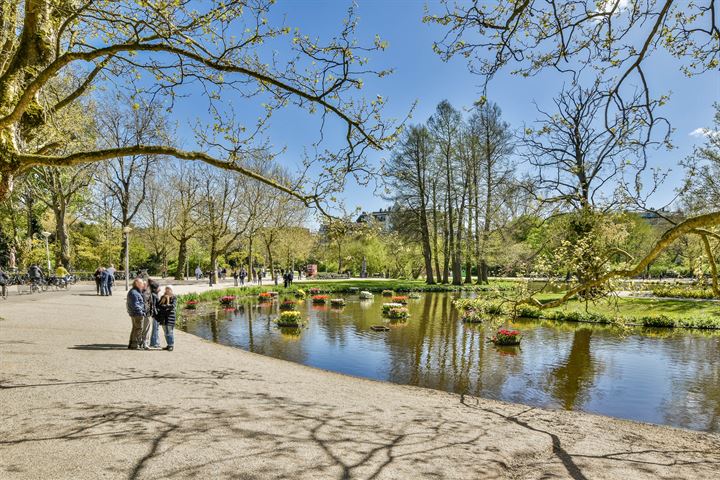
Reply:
x=421, y=76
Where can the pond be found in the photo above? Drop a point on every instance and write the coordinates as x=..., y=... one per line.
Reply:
x=661, y=376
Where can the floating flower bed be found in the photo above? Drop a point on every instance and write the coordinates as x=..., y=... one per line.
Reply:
x=314, y=291
x=387, y=293
x=337, y=302
x=507, y=337
x=289, y=319
x=191, y=304
x=287, y=305
x=398, y=313
x=401, y=299
x=300, y=293
x=387, y=306
x=227, y=299
x=273, y=294
x=353, y=289
x=320, y=299
x=472, y=316
x=264, y=296
x=365, y=295
x=414, y=295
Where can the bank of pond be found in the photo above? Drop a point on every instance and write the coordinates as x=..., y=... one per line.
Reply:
x=661, y=375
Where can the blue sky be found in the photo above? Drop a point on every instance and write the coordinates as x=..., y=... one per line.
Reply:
x=420, y=75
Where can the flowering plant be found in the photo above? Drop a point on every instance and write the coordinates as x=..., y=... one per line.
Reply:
x=387, y=306
x=320, y=298
x=287, y=305
x=191, y=304
x=400, y=299
x=507, y=337
x=365, y=295
x=387, y=293
x=314, y=291
x=289, y=319
x=398, y=313
x=264, y=296
x=227, y=299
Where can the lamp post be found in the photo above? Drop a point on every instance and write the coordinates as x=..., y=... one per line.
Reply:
x=127, y=231
x=47, y=249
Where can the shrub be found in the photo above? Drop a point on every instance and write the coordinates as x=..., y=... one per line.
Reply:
x=472, y=316
x=289, y=319
x=365, y=295
x=227, y=299
x=337, y=302
x=287, y=305
x=320, y=299
x=402, y=299
x=527, y=311
x=398, y=313
x=661, y=321
x=683, y=292
x=506, y=337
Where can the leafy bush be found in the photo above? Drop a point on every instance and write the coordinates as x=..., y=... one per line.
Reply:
x=657, y=321
x=527, y=311
x=472, y=316
x=683, y=292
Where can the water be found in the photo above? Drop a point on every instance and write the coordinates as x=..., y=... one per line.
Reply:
x=662, y=376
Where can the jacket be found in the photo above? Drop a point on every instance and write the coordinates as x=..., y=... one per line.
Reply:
x=135, y=303
x=166, y=311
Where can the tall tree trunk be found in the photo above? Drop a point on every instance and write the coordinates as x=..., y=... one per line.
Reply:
x=62, y=238
x=181, y=258
x=435, y=232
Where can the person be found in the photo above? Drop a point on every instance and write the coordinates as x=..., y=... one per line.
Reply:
x=166, y=316
x=34, y=273
x=96, y=276
x=235, y=275
x=243, y=275
x=104, y=282
x=61, y=272
x=198, y=273
x=4, y=279
x=291, y=276
x=285, y=279
x=154, y=336
x=136, y=309
x=148, y=305
x=109, y=279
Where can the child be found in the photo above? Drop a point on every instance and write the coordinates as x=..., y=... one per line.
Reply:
x=166, y=316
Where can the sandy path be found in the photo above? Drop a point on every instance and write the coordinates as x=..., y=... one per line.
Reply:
x=75, y=404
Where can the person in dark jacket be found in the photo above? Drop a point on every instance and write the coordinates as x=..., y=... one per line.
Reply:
x=166, y=316
x=104, y=282
x=154, y=291
x=98, y=282
x=136, y=309
x=150, y=299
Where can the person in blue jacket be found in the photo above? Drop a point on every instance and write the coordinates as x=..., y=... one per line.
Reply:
x=166, y=315
x=136, y=310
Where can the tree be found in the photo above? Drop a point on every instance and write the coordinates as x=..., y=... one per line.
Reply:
x=184, y=186
x=407, y=174
x=154, y=50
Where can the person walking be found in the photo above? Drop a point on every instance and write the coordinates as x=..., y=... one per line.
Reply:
x=96, y=276
x=136, y=309
x=198, y=273
x=151, y=313
x=4, y=280
x=243, y=275
x=166, y=316
x=104, y=282
x=235, y=275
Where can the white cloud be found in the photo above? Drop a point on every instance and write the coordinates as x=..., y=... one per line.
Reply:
x=704, y=132
x=608, y=5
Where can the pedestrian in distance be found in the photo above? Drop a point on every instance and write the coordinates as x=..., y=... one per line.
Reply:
x=96, y=277
x=104, y=282
x=4, y=280
x=198, y=273
x=149, y=305
x=135, y=305
x=166, y=317
x=154, y=289
x=236, y=275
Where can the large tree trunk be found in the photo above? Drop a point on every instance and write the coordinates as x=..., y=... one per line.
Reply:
x=181, y=258
x=62, y=238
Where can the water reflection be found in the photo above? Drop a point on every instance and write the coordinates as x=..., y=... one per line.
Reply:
x=661, y=376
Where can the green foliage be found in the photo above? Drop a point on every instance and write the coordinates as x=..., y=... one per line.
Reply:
x=291, y=318
x=683, y=292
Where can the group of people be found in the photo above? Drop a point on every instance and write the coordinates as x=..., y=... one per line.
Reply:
x=104, y=280
x=148, y=312
x=256, y=276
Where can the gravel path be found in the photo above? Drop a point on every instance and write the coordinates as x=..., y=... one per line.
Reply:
x=76, y=404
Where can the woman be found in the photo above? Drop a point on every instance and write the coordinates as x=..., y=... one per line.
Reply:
x=98, y=281
x=154, y=291
x=166, y=316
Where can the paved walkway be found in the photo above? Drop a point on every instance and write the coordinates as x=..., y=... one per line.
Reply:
x=76, y=404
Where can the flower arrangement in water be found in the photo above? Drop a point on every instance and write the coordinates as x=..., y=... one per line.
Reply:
x=320, y=299
x=287, y=305
x=264, y=296
x=337, y=302
x=273, y=294
x=300, y=293
x=398, y=313
x=414, y=295
x=472, y=316
x=507, y=337
x=289, y=319
x=387, y=306
x=314, y=291
x=227, y=299
x=387, y=293
x=191, y=304
x=365, y=295
x=401, y=299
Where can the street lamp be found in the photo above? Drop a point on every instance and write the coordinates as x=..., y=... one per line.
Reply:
x=127, y=231
x=47, y=249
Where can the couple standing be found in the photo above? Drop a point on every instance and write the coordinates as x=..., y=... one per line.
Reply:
x=145, y=309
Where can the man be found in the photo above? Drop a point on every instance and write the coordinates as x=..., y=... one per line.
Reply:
x=198, y=272
x=136, y=310
x=149, y=304
x=4, y=279
x=110, y=278
x=104, y=282
x=61, y=272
